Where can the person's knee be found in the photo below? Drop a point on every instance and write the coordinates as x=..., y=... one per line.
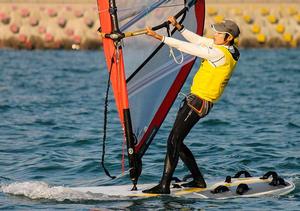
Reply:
x=174, y=141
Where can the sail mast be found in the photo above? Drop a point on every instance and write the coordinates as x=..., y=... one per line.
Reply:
x=114, y=58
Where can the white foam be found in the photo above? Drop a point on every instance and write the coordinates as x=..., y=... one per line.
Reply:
x=42, y=190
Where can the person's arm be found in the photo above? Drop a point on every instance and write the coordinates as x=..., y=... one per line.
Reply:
x=195, y=38
x=212, y=54
x=215, y=56
x=190, y=36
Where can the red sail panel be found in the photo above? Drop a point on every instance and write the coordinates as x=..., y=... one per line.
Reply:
x=114, y=60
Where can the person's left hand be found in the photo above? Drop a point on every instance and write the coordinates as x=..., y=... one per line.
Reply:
x=172, y=20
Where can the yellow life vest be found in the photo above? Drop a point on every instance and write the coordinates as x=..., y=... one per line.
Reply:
x=210, y=81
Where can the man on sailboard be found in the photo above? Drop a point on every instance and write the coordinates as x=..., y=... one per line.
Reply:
x=220, y=57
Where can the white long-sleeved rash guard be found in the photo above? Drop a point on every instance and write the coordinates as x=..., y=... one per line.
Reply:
x=197, y=46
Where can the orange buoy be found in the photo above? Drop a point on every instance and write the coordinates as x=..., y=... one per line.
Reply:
x=51, y=12
x=89, y=22
x=14, y=28
x=238, y=11
x=69, y=32
x=24, y=13
x=33, y=21
x=4, y=18
x=62, y=22
x=272, y=19
x=22, y=38
x=248, y=19
x=212, y=11
x=256, y=28
x=68, y=8
x=280, y=28
x=261, y=38
x=49, y=37
x=264, y=11
x=28, y=44
x=77, y=39
x=218, y=18
x=14, y=7
x=293, y=11
x=78, y=13
x=297, y=18
x=42, y=30
x=287, y=37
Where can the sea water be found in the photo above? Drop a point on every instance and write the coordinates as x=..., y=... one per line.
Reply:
x=51, y=128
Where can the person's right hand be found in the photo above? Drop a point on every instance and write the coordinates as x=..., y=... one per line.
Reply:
x=150, y=32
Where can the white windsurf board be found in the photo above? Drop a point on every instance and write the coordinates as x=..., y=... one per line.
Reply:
x=257, y=187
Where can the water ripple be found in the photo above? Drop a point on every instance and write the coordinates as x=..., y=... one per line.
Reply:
x=52, y=125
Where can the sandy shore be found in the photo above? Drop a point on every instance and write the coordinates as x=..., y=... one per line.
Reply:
x=67, y=24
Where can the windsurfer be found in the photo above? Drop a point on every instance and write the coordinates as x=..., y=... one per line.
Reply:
x=219, y=58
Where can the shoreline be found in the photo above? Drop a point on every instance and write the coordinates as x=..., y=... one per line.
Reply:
x=73, y=24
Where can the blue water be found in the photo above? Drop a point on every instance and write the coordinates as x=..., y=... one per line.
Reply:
x=51, y=119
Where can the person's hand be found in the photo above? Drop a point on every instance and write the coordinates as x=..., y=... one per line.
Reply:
x=101, y=34
x=150, y=32
x=172, y=20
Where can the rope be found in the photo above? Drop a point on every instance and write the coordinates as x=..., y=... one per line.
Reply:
x=171, y=49
x=174, y=57
x=105, y=121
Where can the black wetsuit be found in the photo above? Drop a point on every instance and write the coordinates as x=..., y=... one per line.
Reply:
x=192, y=109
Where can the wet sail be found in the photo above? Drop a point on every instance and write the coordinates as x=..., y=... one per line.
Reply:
x=145, y=80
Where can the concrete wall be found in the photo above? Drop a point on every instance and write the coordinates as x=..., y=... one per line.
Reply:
x=73, y=23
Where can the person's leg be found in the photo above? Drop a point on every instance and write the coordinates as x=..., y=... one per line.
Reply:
x=187, y=157
x=201, y=108
x=185, y=120
x=170, y=164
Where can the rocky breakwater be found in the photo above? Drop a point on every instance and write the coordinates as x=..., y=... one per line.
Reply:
x=74, y=26
x=263, y=23
x=49, y=26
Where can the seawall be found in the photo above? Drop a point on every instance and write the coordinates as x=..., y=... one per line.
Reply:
x=67, y=24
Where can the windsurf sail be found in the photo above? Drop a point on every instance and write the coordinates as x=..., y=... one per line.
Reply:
x=145, y=80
